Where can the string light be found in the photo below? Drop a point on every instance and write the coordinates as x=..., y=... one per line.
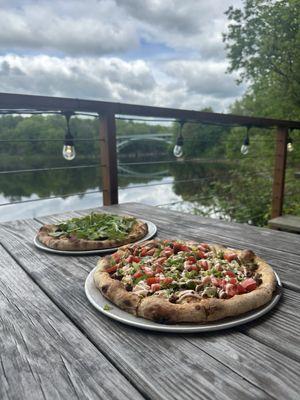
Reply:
x=68, y=149
x=178, y=148
x=246, y=143
x=289, y=144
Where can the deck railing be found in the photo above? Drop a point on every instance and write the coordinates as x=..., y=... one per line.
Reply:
x=107, y=132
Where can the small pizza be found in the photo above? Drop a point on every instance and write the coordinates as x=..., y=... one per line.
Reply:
x=170, y=281
x=92, y=232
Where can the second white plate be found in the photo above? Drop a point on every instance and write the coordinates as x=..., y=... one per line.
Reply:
x=152, y=229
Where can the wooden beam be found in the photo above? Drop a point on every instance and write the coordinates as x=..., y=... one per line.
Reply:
x=279, y=172
x=108, y=154
x=10, y=101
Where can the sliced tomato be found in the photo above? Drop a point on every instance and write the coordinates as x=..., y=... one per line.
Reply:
x=249, y=284
x=167, y=280
x=155, y=287
x=204, y=265
x=176, y=247
x=192, y=259
x=205, y=245
x=148, y=271
x=192, y=267
x=116, y=257
x=201, y=254
x=229, y=257
x=183, y=247
x=216, y=281
x=158, y=269
x=230, y=274
x=129, y=259
x=233, y=281
x=111, y=269
x=230, y=290
x=240, y=289
x=144, y=251
x=137, y=274
x=151, y=252
x=160, y=260
x=201, y=248
x=152, y=280
x=136, y=259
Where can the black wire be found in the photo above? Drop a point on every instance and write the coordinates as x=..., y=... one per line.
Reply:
x=18, y=171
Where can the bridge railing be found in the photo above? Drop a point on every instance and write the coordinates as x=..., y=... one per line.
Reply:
x=107, y=132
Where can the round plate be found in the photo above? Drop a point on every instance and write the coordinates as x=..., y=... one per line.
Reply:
x=99, y=301
x=152, y=229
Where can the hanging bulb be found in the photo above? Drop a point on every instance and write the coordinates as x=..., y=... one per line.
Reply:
x=68, y=149
x=246, y=144
x=290, y=146
x=178, y=148
x=69, y=152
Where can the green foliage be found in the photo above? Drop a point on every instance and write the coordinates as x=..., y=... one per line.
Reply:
x=263, y=45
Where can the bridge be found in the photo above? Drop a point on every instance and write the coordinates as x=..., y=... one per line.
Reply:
x=124, y=140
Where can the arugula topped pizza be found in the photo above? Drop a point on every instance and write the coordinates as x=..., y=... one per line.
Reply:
x=93, y=231
x=172, y=281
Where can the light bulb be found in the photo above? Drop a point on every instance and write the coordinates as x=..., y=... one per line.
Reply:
x=178, y=151
x=290, y=147
x=69, y=152
x=245, y=149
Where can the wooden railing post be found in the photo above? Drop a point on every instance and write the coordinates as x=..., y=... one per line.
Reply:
x=108, y=153
x=279, y=171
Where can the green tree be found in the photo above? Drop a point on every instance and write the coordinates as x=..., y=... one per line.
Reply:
x=263, y=46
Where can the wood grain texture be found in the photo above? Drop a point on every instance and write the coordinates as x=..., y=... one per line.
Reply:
x=145, y=358
x=191, y=367
x=290, y=223
x=42, y=354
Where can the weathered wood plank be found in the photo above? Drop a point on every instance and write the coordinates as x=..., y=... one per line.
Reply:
x=140, y=355
x=63, y=277
x=42, y=354
x=289, y=223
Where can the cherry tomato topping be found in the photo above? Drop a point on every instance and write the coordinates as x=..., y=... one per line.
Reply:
x=155, y=287
x=129, y=259
x=216, y=281
x=230, y=257
x=249, y=284
x=192, y=267
x=230, y=290
x=167, y=280
x=137, y=274
x=136, y=259
x=152, y=280
x=144, y=251
x=111, y=269
x=201, y=254
x=205, y=245
x=116, y=257
x=233, y=281
x=240, y=289
x=204, y=265
x=230, y=273
x=191, y=259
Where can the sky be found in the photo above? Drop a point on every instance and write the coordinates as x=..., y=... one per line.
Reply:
x=166, y=53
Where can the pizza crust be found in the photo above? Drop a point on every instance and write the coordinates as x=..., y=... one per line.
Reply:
x=140, y=230
x=191, y=309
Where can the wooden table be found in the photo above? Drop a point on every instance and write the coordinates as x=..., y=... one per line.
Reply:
x=55, y=345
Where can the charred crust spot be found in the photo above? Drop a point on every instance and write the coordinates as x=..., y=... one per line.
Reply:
x=127, y=303
x=104, y=288
x=198, y=307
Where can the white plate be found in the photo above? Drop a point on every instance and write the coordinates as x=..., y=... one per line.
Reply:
x=99, y=301
x=152, y=229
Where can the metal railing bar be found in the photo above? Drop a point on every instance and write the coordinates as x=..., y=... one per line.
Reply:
x=18, y=171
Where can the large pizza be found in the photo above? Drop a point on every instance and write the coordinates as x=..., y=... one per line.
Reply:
x=172, y=281
x=93, y=231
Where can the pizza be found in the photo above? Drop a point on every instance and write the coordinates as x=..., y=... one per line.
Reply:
x=93, y=231
x=170, y=281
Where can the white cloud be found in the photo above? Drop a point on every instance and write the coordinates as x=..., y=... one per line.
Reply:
x=96, y=50
x=183, y=84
